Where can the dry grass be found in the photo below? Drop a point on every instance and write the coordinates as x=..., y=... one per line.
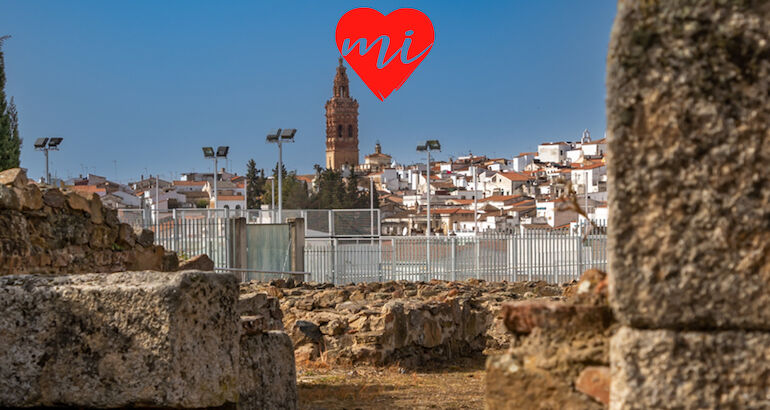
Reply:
x=456, y=386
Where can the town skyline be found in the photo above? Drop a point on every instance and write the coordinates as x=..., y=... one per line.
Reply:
x=148, y=95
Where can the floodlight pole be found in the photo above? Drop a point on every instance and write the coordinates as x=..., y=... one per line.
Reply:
x=475, y=202
x=47, y=174
x=216, y=176
x=371, y=208
x=272, y=198
x=280, y=180
x=427, y=231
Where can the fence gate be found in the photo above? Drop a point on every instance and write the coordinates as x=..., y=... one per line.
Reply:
x=268, y=247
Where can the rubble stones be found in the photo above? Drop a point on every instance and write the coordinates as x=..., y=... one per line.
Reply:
x=132, y=338
x=369, y=323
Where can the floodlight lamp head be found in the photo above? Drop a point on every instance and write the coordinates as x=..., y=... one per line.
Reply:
x=274, y=135
x=54, y=142
x=40, y=143
x=208, y=152
x=422, y=147
x=222, y=151
x=288, y=134
x=433, y=145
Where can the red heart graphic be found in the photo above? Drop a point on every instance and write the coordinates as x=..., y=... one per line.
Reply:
x=384, y=50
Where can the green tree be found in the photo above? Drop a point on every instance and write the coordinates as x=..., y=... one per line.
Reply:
x=10, y=142
x=294, y=191
x=335, y=192
x=255, y=185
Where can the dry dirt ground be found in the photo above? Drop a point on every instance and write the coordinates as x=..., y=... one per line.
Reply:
x=457, y=385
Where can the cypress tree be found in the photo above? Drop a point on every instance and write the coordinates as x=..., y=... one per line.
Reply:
x=254, y=185
x=10, y=143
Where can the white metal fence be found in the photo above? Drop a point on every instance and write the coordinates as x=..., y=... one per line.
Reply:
x=543, y=254
x=188, y=232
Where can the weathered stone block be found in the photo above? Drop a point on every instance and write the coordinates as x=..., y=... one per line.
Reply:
x=78, y=202
x=30, y=197
x=14, y=177
x=688, y=118
x=124, y=339
x=144, y=237
x=199, y=262
x=8, y=199
x=664, y=369
x=268, y=378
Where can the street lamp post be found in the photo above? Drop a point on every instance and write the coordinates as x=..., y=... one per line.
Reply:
x=371, y=209
x=45, y=145
x=208, y=152
x=475, y=202
x=279, y=137
x=430, y=145
x=272, y=198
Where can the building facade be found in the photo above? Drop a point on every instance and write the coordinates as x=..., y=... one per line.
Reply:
x=341, y=124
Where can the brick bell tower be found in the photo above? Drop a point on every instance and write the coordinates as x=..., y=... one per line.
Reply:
x=341, y=124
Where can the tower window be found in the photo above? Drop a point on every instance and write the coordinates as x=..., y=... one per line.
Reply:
x=339, y=131
x=350, y=131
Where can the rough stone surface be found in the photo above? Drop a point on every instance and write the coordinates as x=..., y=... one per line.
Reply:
x=268, y=377
x=689, y=139
x=124, y=339
x=405, y=322
x=54, y=232
x=664, y=369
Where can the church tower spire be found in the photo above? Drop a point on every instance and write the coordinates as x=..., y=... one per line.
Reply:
x=341, y=124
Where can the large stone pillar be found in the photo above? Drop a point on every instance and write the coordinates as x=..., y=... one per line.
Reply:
x=689, y=142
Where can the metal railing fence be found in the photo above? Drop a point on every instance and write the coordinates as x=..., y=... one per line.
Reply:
x=319, y=223
x=187, y=232
x=553, y=255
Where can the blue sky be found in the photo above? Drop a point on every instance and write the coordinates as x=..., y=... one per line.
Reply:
x=140, y=86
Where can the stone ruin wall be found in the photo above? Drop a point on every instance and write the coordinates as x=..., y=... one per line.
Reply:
x=408, y=323
x=135, y=333
x=48, y=230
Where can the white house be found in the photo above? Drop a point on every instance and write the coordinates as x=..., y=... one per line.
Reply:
x=556, y=212
x=553, y=151
x=595, y=148
x=165, y=198
x=588, y=175
x=520, y=162
x=506, y=183
x=575, y=156
x=189, y=186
